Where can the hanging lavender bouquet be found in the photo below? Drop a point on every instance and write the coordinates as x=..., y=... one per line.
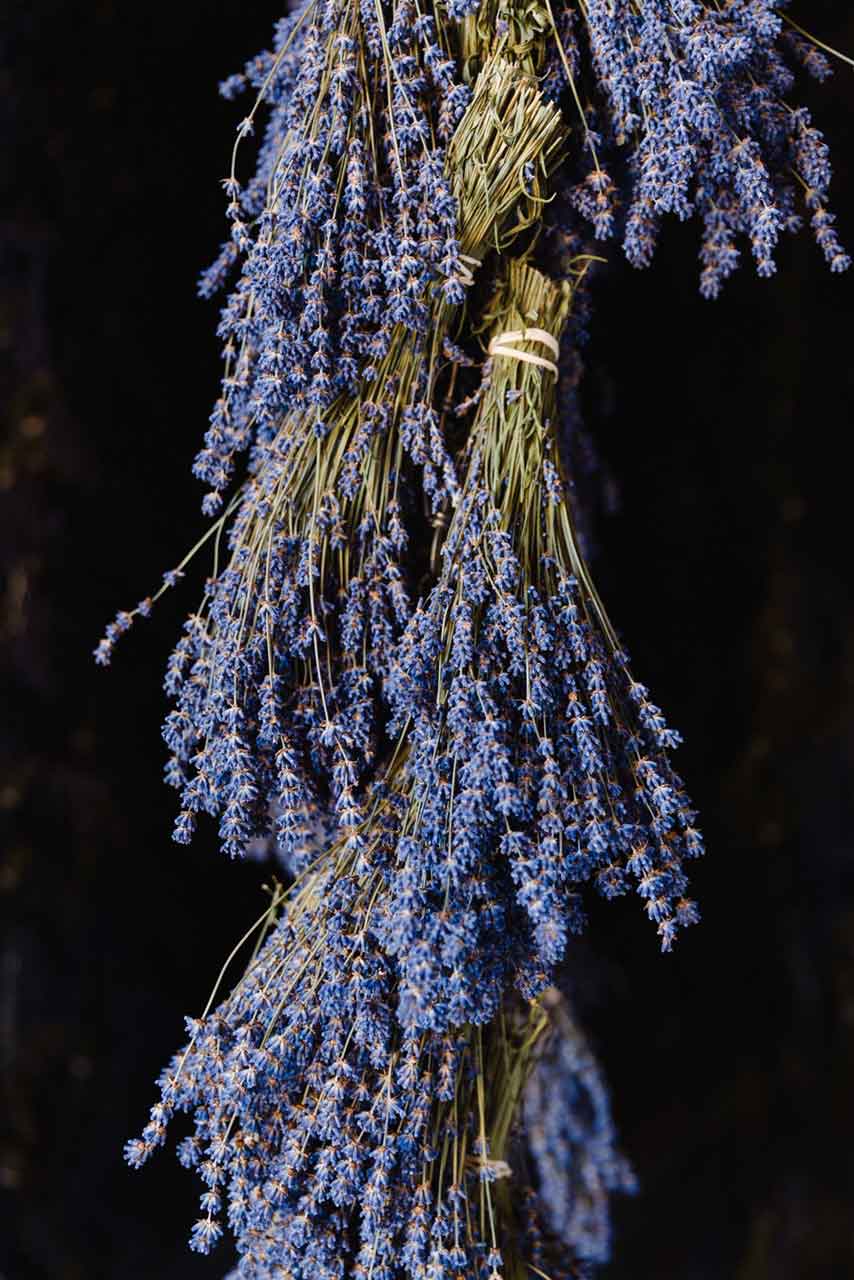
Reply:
x=401, y=675
x=536, y=762
x=389, y=1023
x=339, y=1147
x=275, y=678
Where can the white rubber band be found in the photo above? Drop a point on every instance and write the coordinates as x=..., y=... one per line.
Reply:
x=466, y=276
x=500, y=346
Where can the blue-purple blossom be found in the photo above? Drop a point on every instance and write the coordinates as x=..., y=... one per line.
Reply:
x=537, y=764
x=572, y=1140
x=697, y=96
x=330, y=1141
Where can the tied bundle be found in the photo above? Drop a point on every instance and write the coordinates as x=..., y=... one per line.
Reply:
x=395, y=1089
x=536, y=763
x=276, y=677
x=401, y=1156
x=355, y=1097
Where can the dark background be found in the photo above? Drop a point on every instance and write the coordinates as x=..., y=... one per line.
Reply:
x=728, y=567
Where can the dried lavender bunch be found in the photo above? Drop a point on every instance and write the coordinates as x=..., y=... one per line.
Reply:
x=571, y=1138
x=346, y=221
x=276, y=675
x=695, y=97
x=530, y=762
x=536, y=763
x=337, y=1144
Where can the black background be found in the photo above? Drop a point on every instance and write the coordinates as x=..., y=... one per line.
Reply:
x=727, y=565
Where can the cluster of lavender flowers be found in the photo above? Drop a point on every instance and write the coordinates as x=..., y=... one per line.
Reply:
x=356, y=1099
x=345, y=222
x=572, y=1140
x=335, y=1143
x=536, y=763
x=393, y=1090
x=696, y=95
x=276, y=678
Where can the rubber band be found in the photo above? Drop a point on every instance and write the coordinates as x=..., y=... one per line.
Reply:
x=466, y=276
x=499, y=347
